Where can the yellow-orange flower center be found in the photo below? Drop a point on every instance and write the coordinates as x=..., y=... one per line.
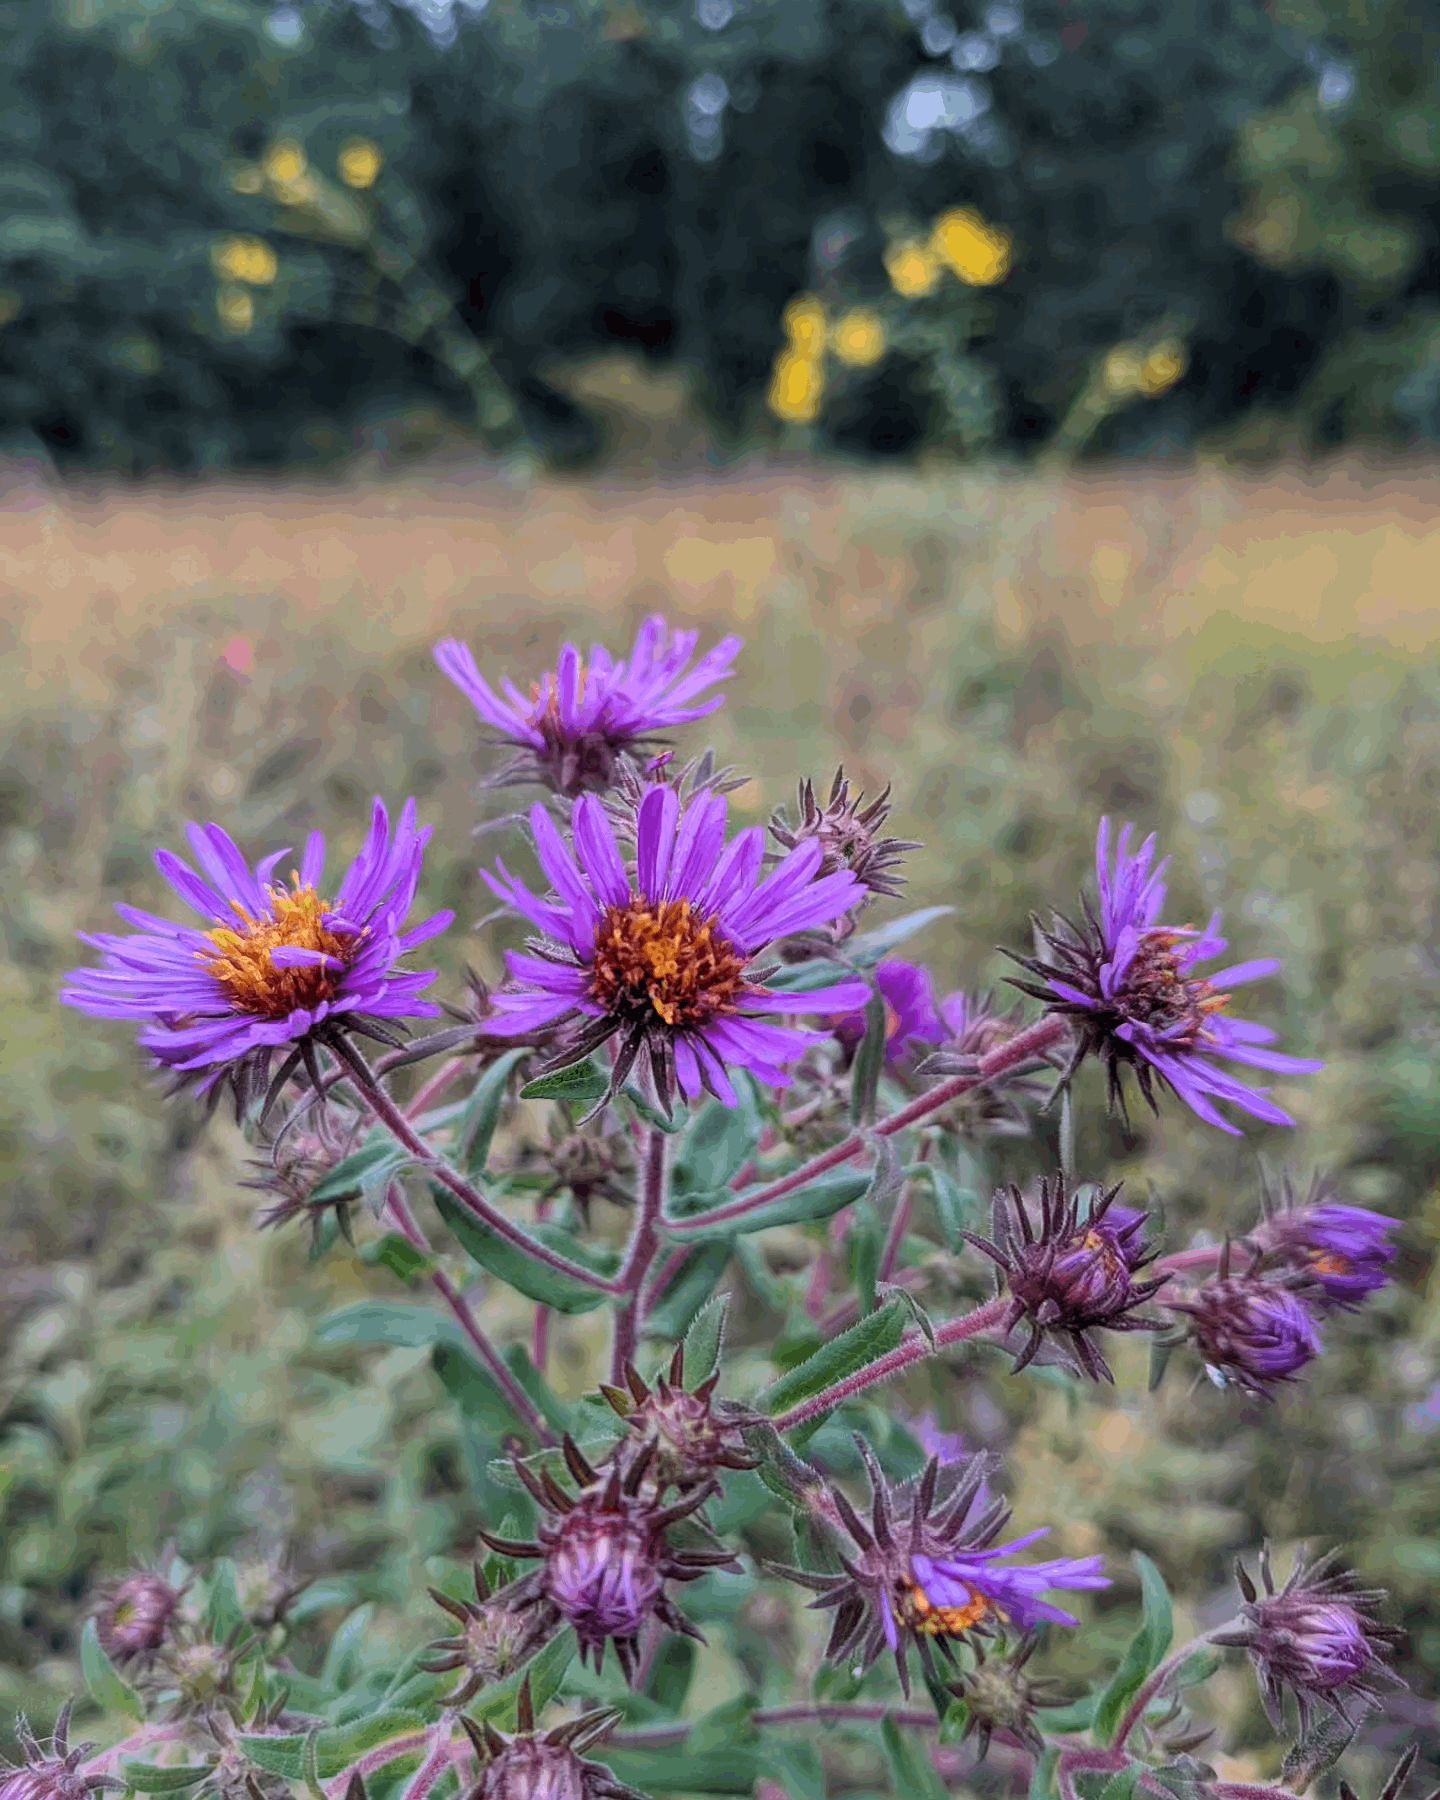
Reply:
x=1156, y=989
x=946, y=1621
x=1330, y=1262
x=243, y=966
x=659, y=957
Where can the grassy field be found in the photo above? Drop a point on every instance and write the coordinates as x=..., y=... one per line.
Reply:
x=1249, y=668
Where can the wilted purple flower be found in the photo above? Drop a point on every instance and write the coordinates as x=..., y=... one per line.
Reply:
x=1129, y=987
x=1343, y=1248
x=578, y=720
x=544, y=1766
x=1070, y=1275
x=604, y=1555
x=53, y=1777
x=848, y=833
x=659, y=954
x=1252, y=1330
x=1315, y=1637
x=911, y=1019
x=133, y=1619
x=926, y=1572
x=275, y=967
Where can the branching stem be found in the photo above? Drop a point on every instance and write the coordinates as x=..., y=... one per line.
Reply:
x=644, y=1242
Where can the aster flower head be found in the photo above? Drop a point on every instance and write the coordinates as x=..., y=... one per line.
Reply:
x=580, y=719
x=1344, y=1249
x=1000, y=1696
x=911, y=1019
x=1316, y=1636
x=605, y=1555
x=532, y=1765
x=926, y=1571
x=1069, y=1271
x=492, y=1643
x=656, y=951
x=848, y=833
x=1130, y=988
x=134, y=1614
x=1253, y=1330
x=692, y=1434
x=56, y=1776
x=275, y=968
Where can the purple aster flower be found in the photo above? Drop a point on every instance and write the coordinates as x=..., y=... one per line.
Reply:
x=604, y=1555
x=1252, y=1330
x=54, y=1777
x=1129, y=985
x=1316, y=1636
x=1069, y=1275
x=657, y=951
x=926, y=1569
x=911, y=1019
x=275, y=968
x=579, y=719
x=1343, y=1248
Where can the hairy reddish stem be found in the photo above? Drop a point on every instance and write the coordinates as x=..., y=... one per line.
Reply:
x=1025, y=1047
x=644, y=1242
x=1156, y=1682
x=913, y=1349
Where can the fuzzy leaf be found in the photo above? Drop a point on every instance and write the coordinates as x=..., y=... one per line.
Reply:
x=705, y=1340
x=393, y=1322
x=342, y=1659
x=107, y=1690
x=1143, y=1655
x=688, y=1289
x=863, y=1344
x=545, y=1671
x=536, y=1280
x=580, y=1082
x=717, y=1146
x=866, y=949
x=676, y=1770
x=869, y=1064
x=819, y=1200
x=357, y=1173
x=1122, y=1785
x=336, y=1748
x=397, y=1254
x=482, y=1113
x=477, y=1397
x=151, y=1778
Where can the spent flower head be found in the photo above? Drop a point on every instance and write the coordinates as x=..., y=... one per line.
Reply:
x=658, y=953
x=1316, y=1637
x=53, y=1776
x=532, y=1765
x=1000, y=1697
x=925, y=1571
x=1070, y=1272
x=849, y=834
x=692, y=1435
x=1130, y=987
x=493, y=1641
x=276, y=968
x=580, y=719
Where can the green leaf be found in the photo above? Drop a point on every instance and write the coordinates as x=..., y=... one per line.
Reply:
x=911, y=1770
x=794, y=1764
x=1143, y=1655
x=536, y=1280
x=869, y=1062
x=1122, y=1784
x=107, y=1690
x=581, y=1082
x=336, y=1748
x=393, y=1322
x=854, y=1349
x=482, y=1112
x=1042, y=1776
x=705, y=1340
x=553, y=1410
x=151, y=1778
x=956, y=1206
x=688, y=1289
x=475, y=1392
x=866, y=949
x=952, y=1726
x=673, y=1126
x=545, y=1671
x=342, y=1659
x=670, y=1674
x=398, y=1255
x=675, y=1770
x=819, y=1200
x=223, y=1611
x=717, y=1146
x=864, y=1242
x=357, y=1173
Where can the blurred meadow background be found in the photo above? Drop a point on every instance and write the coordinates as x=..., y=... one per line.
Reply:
x=1048, y=393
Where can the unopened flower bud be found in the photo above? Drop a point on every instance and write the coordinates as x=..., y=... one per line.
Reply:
x=1252, y=1332
x=848, y=834
x=134, y=1617
x=691, y=1435
x=549, y=1766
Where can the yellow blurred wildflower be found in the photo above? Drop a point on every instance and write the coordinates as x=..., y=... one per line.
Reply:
x=1122, y=371
x=285, y=161
x=978, y=253
x=1163, y=367
x=235, y=309
x=360, y=163
x=803, y=322
x=858, y=338
x=796, y=387
x=245, y=259
x=913, y=269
